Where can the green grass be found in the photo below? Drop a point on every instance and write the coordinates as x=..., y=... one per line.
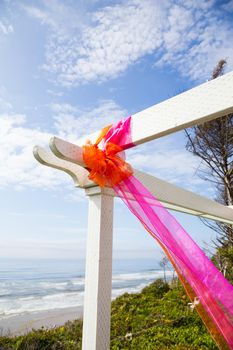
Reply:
x=156, y=318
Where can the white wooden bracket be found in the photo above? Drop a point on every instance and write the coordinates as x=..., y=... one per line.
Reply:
x=78, y=173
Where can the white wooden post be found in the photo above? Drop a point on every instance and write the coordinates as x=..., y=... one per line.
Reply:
x=98, y=278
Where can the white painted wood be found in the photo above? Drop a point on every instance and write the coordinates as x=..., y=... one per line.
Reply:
x=78, y=173
x=205, y=102
x=200, y=104
x=66, y=150
x=172, y=197
x=98, y=278
x=179, y=199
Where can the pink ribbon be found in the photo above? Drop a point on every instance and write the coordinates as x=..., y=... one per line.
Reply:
x=211, y=289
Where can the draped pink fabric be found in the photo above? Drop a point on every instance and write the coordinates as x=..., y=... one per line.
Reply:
x=202, y=280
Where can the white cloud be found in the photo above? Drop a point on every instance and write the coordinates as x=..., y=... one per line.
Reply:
x=5, y=105
x=197, y=53
x=17, y=164
x=18, y=168
x=58, y=16
x=72, y=122
x=55, y=93
x=94, y=46
x=5, y=28
x=228, y=6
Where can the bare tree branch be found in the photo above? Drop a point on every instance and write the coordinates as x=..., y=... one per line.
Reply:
x=212, y=142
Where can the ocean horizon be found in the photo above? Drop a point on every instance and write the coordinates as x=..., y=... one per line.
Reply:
x=34, y=285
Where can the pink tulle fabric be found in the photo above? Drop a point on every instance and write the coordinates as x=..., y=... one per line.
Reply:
x=208, y=285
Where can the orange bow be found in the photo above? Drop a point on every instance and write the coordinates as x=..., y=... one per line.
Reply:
x=105, y=167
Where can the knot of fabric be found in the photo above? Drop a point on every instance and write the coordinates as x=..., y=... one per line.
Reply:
x=105, y=166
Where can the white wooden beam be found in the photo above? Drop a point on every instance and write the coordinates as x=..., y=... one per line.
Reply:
x=179, y=199
x=98, y=277
x=198, y=105
x=203, y=103
x=172, y=197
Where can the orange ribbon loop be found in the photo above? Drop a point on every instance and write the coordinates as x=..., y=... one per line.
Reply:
x=105, y=166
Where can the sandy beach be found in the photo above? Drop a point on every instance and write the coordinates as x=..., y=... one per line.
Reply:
x=21, y=324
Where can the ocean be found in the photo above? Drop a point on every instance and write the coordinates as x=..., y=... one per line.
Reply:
x=42, y=285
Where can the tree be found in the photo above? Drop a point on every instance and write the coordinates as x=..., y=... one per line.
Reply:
x=213, y=143
x=164, y=264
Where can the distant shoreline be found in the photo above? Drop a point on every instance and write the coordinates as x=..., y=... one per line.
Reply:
x=21, y=324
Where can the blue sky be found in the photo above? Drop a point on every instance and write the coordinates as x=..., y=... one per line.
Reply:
x=67, y=68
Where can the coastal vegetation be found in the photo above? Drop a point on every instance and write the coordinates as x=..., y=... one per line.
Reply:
x=159, y=317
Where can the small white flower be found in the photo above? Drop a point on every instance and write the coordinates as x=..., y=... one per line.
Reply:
x=195, y=302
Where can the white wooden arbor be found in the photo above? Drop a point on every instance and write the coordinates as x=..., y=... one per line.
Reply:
x=203, y=103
